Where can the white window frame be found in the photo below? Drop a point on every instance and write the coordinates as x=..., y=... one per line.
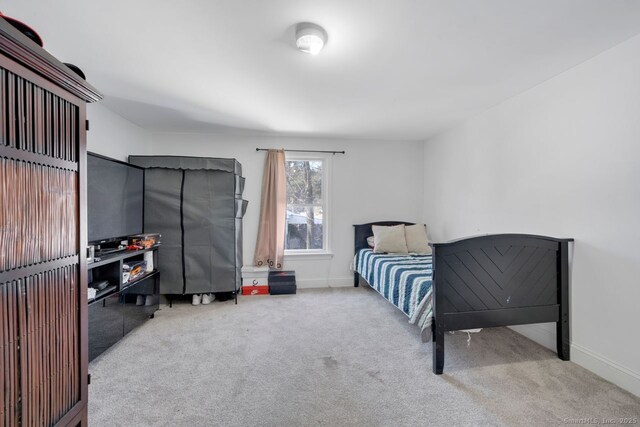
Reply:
x=326, y=213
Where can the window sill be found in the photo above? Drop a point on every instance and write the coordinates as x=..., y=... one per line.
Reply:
x=303, y=255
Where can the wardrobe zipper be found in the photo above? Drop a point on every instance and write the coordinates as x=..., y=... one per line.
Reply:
x=184, y=274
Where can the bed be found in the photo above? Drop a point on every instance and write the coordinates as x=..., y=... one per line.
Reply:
x=404, y=280
x=477, y=282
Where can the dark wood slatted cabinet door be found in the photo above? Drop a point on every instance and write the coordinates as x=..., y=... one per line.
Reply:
x=43, y=279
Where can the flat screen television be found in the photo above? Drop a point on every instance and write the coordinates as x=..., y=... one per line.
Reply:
x=115, y=199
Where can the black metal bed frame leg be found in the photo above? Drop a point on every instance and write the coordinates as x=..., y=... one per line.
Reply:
x=356, y=279
x=562, y=327
x=438, y=348
x=235, y=295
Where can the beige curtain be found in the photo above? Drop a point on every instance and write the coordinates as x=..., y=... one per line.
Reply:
x=270, y=244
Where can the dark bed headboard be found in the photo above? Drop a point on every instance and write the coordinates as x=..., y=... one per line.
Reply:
x=362, y=231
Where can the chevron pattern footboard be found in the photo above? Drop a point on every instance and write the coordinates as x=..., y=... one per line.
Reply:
x=494, y=277
x=500, y=280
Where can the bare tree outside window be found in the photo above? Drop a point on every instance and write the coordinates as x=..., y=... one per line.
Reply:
x=304, y=225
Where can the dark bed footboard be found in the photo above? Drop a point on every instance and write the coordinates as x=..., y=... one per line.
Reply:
x=500, y=280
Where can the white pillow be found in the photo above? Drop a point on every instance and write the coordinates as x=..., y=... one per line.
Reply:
x=371, y=241
x=417, y=239
x=389, y=239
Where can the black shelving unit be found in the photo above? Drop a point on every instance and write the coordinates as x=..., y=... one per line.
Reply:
x=120, y=307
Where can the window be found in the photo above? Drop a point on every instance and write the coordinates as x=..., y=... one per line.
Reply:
x=306, y=227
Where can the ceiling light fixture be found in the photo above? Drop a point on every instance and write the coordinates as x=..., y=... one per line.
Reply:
x=310, y=38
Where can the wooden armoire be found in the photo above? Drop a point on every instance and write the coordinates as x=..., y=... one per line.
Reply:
x=43, y=236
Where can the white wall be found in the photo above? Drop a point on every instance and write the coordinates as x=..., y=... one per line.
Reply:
x=562, y=159
x=113, y=136
x=373, y=181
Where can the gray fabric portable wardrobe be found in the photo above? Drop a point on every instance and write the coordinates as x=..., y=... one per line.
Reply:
x=196, y=204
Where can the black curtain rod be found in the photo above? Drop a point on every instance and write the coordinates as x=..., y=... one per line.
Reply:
x=306, y=151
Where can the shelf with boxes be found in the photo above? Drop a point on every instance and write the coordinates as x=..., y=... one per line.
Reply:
x=123, y=294
x=262, y=281
x=255, y=280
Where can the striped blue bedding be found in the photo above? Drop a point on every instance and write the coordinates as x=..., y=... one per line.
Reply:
x=404, y=280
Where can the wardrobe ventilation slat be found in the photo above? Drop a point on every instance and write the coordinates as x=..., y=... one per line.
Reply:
x=39, y=361
x=49, y=229
x=38, y=121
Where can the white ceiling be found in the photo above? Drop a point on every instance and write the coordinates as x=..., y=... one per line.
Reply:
x=392, y=69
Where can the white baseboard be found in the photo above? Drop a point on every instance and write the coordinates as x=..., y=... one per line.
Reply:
x=341, y=282
x=609, y=370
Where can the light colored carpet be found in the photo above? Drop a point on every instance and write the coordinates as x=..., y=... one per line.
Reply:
x=334, y=357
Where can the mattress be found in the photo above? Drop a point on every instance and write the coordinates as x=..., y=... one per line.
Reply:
x=404, y=280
